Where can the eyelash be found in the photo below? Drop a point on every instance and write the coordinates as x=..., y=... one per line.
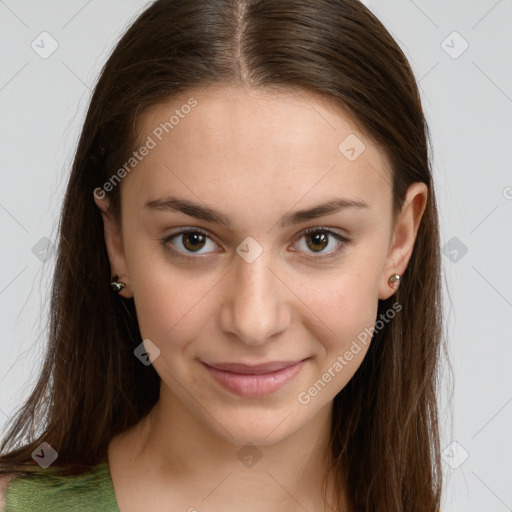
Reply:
x=179, y=254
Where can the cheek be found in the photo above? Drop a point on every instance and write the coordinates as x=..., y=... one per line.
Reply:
x=347, y=315
x=346, y=306
x=172, y=320
x=343, y=351
x=164, y=296
x=171, y=305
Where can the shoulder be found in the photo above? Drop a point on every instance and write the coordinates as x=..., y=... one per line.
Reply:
x=4, y=482
x=51, y=492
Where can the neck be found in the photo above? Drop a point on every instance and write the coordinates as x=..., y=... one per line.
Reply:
x=285, y=475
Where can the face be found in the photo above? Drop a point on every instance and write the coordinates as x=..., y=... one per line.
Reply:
x=257, y=230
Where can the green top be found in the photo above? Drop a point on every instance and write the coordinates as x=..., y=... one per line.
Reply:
x=92, y=491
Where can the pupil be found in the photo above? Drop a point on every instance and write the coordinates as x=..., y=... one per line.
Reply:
x=318, y=239
x=197, y=239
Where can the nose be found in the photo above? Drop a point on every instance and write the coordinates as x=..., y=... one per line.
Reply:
x=253, y=307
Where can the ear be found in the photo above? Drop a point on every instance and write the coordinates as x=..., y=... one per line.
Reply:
x=114, y=245
x=404, y=236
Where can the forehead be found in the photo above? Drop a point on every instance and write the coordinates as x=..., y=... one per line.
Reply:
x=258, y=142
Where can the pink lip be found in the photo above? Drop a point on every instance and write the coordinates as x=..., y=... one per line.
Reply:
x=254, y=381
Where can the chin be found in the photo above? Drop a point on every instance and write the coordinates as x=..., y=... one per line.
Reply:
x=256, y=427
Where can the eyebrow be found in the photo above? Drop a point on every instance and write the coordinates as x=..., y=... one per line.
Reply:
x=210, y=215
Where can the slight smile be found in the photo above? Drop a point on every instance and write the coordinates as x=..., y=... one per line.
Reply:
x=254, y=380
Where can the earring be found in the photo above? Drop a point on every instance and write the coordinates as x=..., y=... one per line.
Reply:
x=394, y=281
x=116, y=285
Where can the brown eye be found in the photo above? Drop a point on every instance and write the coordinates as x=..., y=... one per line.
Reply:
x=193, y=241
x=188, y=241
x=318, y=239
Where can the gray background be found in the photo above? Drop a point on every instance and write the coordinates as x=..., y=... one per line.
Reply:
x=467, y=97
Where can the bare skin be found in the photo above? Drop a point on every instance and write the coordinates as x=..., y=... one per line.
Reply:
x=255, y=156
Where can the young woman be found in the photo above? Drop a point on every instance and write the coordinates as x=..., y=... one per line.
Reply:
x=227, y=332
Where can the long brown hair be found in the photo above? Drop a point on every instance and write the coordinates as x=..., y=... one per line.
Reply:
x=385, y=432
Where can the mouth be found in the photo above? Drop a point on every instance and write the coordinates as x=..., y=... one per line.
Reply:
x=254, y=380
x=257, y=369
